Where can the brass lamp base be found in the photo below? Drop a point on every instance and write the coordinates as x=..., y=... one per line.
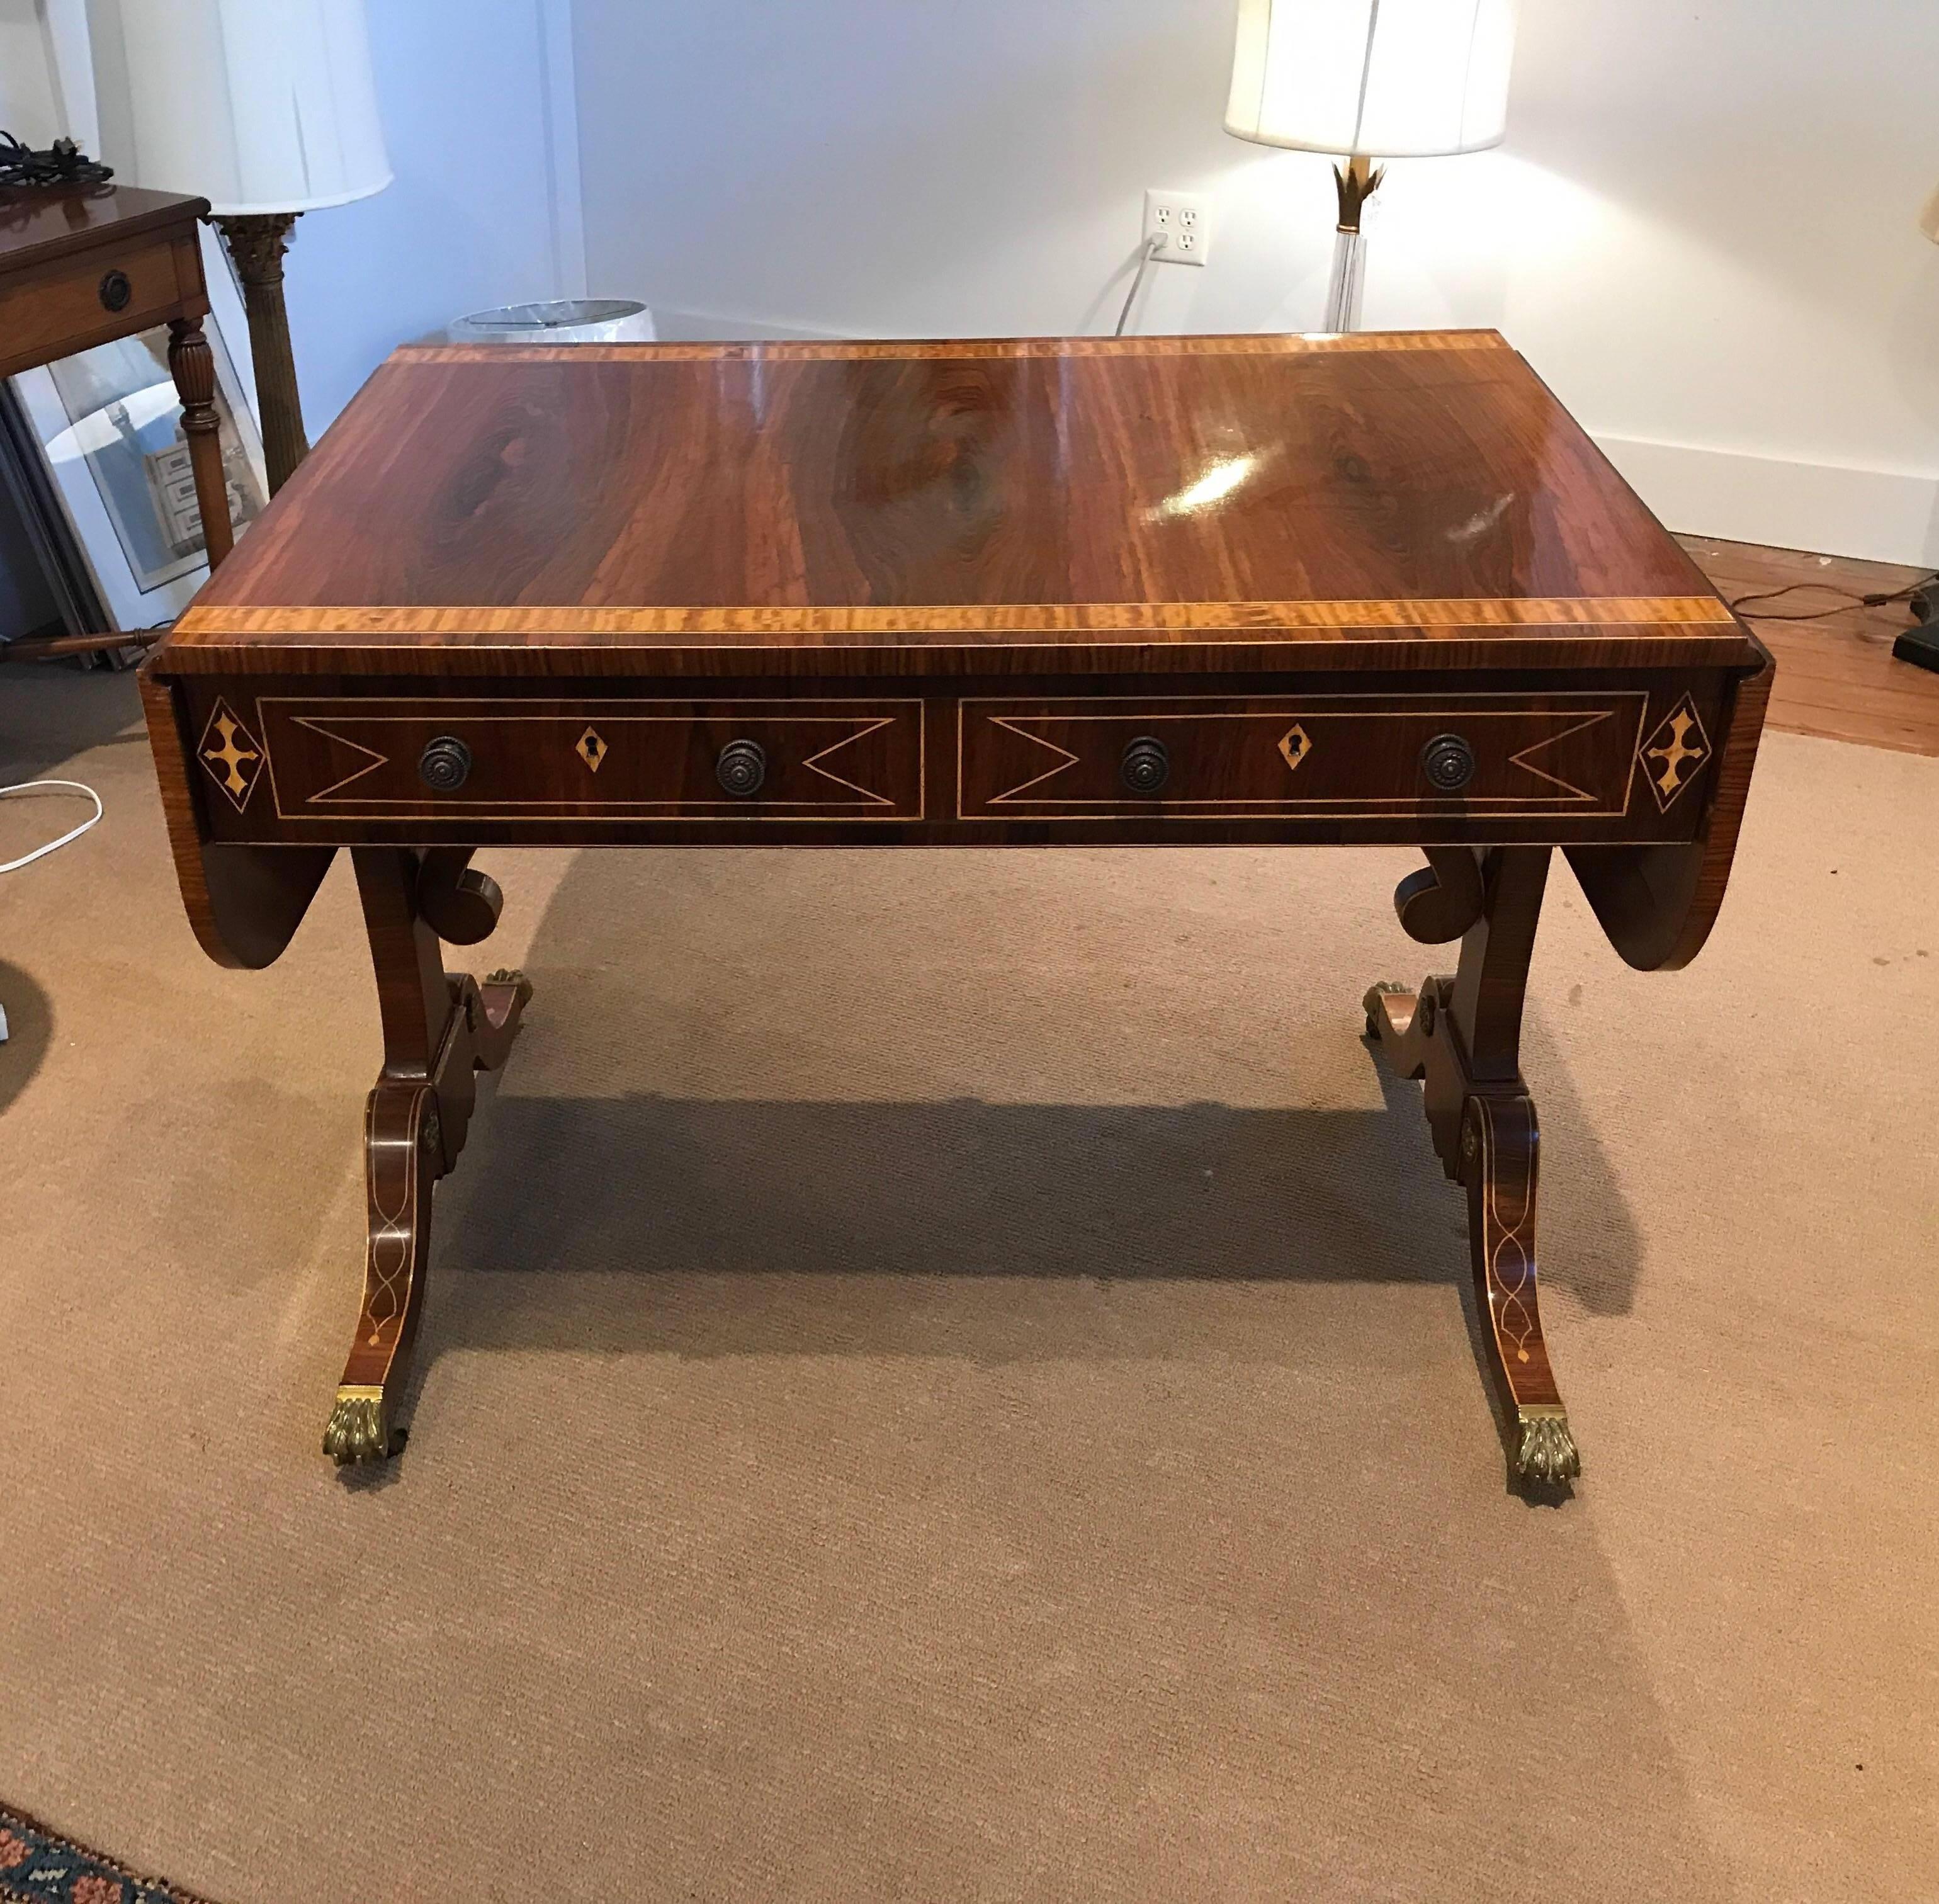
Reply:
x=1354, y=187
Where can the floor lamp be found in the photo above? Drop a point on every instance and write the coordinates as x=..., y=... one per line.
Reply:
x=267, y=109
x=1369, y=79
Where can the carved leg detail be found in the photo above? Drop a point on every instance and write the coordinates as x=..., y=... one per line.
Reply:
x=1461, y=1036
x=1500, y=1141
x=402, y=1157
x=440, y=1029
x=192, y=364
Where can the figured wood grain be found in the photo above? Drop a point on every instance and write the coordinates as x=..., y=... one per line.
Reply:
x=1288, y=758
x=244, y=902
x=892, y=349
x=39, y=223
x=1658, y=903
x=620, y=508
x=1076, y=618
x=965, y=517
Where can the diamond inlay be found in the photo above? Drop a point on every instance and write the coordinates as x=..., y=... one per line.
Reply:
x=230, y=755
x=1674, y=755
x=591, y=749
x=1294, y=747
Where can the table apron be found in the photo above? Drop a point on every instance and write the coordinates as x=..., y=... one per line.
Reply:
x=1626, y=757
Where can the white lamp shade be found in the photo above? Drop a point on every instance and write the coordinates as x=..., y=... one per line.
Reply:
x=1399, y=79
x=257, y=106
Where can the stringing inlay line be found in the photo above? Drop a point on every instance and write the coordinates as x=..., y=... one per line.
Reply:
x=813, y=350
x=1131, y=618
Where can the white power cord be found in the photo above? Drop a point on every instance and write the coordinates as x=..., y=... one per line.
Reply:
x=52, y=846
x=1152, y=247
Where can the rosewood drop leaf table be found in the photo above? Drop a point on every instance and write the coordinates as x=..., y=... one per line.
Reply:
x=1149, y=591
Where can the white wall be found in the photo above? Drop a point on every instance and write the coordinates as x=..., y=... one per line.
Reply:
x=30, y=105
x=1701, y=230
x=476, y=100
x=469, y=221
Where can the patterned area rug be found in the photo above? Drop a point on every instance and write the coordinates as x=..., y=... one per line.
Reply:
x=39, y=1866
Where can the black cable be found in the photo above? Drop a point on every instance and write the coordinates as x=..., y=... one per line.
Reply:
x=1852, y=599
x=63, y=163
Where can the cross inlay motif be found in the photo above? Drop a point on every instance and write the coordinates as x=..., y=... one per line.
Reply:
x=231, y=749
x=1681, y=745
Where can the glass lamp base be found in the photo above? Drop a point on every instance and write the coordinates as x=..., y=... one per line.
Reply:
x=1343, y=294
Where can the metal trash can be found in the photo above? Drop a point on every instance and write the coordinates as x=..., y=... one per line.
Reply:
x=561, y=321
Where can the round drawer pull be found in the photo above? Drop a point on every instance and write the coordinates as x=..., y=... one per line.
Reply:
x=1146, y=766
x=1448, y=762
x=741, y=767
x=445, y=764
x=115, y=290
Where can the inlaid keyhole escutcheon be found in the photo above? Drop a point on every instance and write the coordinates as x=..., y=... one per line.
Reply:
x=1146, y=766
x=741, y=768
x=445, y=764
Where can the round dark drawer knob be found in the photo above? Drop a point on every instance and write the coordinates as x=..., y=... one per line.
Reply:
x=445, y=764
x=116, y=290
x=1448, y=762
x=741, y=767
x=1146, y=767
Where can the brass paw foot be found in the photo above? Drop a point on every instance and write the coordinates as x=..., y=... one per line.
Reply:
x=1547, y=1452
x=359, y=1427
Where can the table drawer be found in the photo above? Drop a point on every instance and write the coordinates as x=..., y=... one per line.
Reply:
x=419, y=758
x=1469, y=756
x=106, y=291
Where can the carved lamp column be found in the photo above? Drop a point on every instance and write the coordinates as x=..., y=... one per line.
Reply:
x=1367, y=79
x=267, y=108
x=256, y=242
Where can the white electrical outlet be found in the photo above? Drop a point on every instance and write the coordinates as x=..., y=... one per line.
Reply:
x=1181, y=220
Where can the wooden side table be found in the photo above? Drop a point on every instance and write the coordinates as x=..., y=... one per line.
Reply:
x=82, y=265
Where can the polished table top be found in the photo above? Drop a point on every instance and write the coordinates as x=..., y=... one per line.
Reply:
x=38, y=223
x=1420, y=498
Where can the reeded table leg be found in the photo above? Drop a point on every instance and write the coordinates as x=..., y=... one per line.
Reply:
x=439, y=1030
x=192, y=364
x=1462, y=1035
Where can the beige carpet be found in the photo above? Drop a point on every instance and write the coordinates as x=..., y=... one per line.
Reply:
x=947, y=1378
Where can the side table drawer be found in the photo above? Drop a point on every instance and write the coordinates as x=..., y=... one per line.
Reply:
x=109, y=289
x=1328, y=756
x=374, y=757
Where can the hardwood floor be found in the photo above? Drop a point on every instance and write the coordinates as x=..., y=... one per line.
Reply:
x=1835, y=677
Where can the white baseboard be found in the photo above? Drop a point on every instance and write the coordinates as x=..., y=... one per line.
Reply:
x=1881, y=515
